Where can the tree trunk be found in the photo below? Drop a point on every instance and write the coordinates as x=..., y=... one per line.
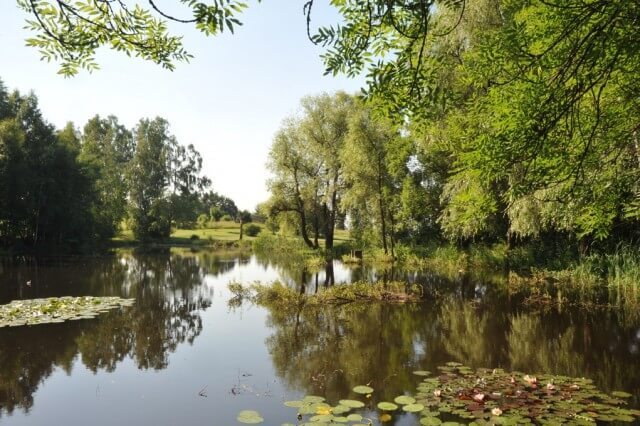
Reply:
x=391, y=236
x=331, y=216
x=303, y=217
x=383, y=224
x=316, y=227
x=241, y=229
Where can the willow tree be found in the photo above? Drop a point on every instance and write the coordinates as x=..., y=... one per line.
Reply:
x=370, y=185
x=293, y=176
x=307, y=166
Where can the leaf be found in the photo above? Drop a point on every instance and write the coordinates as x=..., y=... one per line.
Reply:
x=404, y=400
x=387, y=406
x=249, y=417
x=363, y=389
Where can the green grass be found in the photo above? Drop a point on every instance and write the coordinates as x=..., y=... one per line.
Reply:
x=222, y=231
x=221, y=234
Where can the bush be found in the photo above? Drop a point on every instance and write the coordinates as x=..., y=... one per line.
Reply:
x=252, y=230
x=202, y=221
x=226, y=218
x=194, y=237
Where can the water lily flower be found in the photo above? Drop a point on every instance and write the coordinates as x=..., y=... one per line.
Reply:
x=479, y=397
x=496, y=411
x=437, y=393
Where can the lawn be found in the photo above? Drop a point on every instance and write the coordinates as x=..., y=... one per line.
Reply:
x=221, y=231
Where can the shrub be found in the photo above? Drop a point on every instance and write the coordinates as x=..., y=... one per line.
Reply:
x=252, y=230
x=202, y=221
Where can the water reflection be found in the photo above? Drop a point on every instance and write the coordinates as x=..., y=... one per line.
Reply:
x=169, y=298
x=325, y=351
x=331, y=350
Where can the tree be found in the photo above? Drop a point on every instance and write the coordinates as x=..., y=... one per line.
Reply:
x=107, y=148
x=244, y=216
x=45, y=195
x=370, y=185
x=325, y=125
x=216, y=206
x=148, y=178
x=186, y=184
x=305, y=160
x=293, y=171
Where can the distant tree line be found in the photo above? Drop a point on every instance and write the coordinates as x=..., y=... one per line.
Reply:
x=74, y=187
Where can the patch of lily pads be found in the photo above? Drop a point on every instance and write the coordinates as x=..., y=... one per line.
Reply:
x=57, y=309
x=459, y=395
x=496, y=397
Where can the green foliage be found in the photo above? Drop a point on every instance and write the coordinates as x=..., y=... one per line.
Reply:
x=106, y=150
x=307, y=185
x=45, y=192
x=70, y=32
x=202, y=221
x=278, y=294
x=252, y=229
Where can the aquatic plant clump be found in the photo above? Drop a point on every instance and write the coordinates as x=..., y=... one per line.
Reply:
x=57, y=309
x=459, y=395
x=282, y=295
x=494, y=396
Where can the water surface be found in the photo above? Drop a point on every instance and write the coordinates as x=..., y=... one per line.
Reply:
x=187, y=354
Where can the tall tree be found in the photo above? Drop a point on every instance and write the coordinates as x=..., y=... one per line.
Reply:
x=292, y=167
x=107, y=148
x=148, y=177
x=325, y=125
x=370, y=185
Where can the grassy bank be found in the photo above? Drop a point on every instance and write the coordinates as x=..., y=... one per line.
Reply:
x=221, y=235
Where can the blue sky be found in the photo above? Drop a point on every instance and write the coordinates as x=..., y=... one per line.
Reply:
x=228, y=101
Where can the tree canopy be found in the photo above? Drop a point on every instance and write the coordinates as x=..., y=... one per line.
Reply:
x=73, y=187
x=521, y=115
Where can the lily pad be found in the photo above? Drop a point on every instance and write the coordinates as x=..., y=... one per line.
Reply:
x=363, y=389
x=387, y=406
x=250, y=417
x=413, y=408
x=404, y=400
x=57, y=309
x=352, y=403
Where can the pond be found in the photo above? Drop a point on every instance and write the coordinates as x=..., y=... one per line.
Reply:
x=187, y=353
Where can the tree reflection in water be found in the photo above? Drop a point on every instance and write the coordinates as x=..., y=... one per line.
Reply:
x=330, y=350
x=169, y=298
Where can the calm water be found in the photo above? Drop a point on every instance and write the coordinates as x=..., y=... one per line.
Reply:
x=187, y=354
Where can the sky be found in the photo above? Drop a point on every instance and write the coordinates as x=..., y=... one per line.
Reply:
x=228, y=101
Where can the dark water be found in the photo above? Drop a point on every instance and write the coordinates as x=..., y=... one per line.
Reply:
x=184, y=355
